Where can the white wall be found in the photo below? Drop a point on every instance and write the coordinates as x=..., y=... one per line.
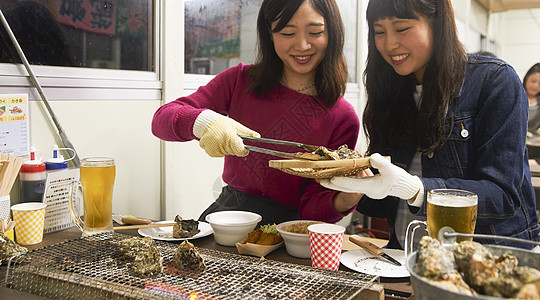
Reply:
x=119, y=129
x=515, y=34
x=520, y=33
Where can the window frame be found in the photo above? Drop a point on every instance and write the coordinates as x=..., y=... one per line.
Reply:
x=78, y=83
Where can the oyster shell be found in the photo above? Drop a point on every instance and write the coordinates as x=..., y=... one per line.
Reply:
x=187, y=256
x=433, y=260
x=185, y=228
x=142, y=255
x=509, y=285
x=483, y=272
x=9, y=248
x=343, y=152
x=476, y=263
x=438, y=266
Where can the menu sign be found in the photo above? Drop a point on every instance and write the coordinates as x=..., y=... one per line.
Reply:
x=57, y=191
x=14, y=132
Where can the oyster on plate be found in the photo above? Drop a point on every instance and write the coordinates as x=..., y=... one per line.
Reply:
x=185, y=228
x=9, y=248
x=142, y=256
x=187, y=256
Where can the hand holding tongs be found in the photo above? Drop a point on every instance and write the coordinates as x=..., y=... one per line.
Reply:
x=300, y=155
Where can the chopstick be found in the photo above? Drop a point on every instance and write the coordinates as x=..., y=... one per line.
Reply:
x=9, y=171
x=144, y=226
x=6, y=225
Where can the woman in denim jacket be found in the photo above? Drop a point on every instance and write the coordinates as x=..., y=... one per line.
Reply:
x=447, y=120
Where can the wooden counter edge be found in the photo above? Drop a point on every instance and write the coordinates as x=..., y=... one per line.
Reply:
x=373, y=292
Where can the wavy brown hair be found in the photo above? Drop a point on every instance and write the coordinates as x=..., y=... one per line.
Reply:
x=331, y=73
x=391, y=114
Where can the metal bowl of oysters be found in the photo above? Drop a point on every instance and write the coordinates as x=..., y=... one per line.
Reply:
x=470, y=270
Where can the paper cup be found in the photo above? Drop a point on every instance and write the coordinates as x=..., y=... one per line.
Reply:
x=29, y=221
x=325, y=241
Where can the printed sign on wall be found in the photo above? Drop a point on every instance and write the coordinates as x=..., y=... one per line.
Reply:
x=14, y=134
x=97, y=16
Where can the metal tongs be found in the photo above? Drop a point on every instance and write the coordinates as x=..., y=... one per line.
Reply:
x=298, y=155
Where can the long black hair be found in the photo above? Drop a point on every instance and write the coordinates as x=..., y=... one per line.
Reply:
x=391, y=114
x=331, y=74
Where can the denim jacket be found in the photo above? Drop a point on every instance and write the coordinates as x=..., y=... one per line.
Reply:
x=485, y=154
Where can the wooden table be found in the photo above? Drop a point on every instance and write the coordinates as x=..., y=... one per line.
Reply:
x=400, y=287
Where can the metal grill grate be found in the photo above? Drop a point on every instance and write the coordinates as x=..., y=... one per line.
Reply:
x=90, y=267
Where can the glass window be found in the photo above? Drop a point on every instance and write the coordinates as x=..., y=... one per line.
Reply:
x=107, y=34
x=220, y=33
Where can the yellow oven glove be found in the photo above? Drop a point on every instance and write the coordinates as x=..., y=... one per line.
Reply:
x=219, y=135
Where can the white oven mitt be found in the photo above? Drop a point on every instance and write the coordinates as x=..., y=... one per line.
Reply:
x=218, y=134
x=391, y=181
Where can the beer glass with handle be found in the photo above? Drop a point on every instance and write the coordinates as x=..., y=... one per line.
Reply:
x=97, y=183
x=446, y=207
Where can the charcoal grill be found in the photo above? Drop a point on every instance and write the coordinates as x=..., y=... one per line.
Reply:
x=90, y=268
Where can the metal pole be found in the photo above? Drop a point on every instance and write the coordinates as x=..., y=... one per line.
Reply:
x=65, y=141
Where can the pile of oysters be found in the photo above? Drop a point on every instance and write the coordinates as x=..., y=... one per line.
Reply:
x=471, y=269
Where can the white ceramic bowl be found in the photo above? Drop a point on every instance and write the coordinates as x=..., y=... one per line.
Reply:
x=232, y=226
x=297, y=244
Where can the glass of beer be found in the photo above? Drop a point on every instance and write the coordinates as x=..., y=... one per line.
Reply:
x=454, y=208
x=446, y=207
x=96, y=183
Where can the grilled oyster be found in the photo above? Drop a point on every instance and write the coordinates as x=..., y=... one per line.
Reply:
x=187, y=256
x=510, y=284
x=483, y=272
x=9, y=248
x=142, y=255
x=433, y=260
x=343, y=152
x=438, y=266
x=476, y=263
x=529, y=291
x=185, y=228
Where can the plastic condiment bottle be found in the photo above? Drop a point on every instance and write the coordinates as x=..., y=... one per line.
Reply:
x=57, y=162
x=32, y=176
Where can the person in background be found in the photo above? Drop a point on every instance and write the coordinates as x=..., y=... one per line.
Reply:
x=293, y=92
x=446, y=119
x=531, y=83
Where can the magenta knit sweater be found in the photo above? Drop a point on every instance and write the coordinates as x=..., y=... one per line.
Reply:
x=285, y=115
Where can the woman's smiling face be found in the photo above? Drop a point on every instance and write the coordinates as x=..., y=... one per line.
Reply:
x=301, y=44
x=405, y=44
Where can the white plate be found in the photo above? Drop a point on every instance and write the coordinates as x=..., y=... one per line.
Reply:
x=364, y=262
x=165, y=233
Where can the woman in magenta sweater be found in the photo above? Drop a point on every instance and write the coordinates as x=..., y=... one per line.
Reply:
x=293, y=92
